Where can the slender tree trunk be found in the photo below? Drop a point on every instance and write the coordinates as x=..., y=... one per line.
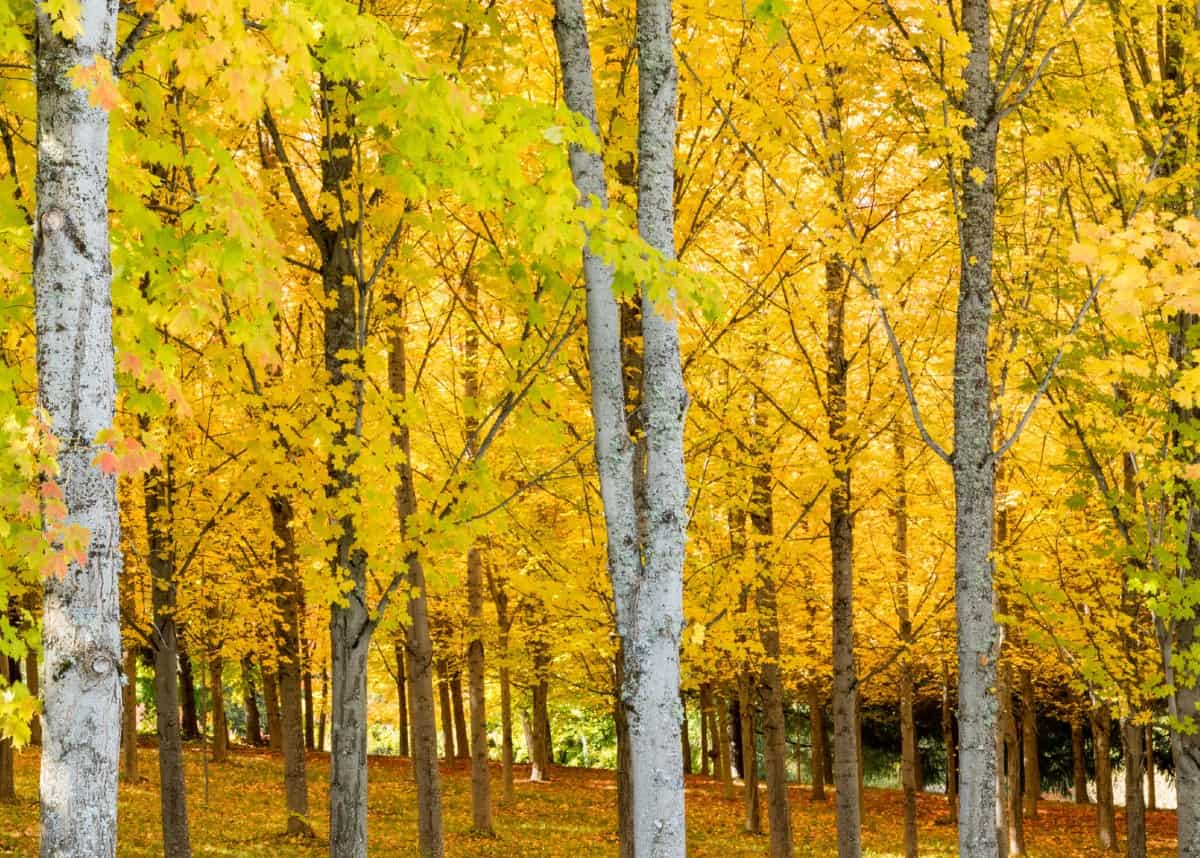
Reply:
x=430, y=837
x=724, y=767
x=841, y=544
x=762, y=519
x=250, y=704
x=908, y=728
x=685, y=740
x=11, y=673
x=1133, y=738
x=187, y=693
x=173, y=794
x=752, y=814
x=220, y=746
x=1106, y=817
x=951, y=747
x=32, y=604
x=816, y=720
x=462, y=749
x=1029, y=741
x=1078, y=764
x=481, y=794
x=705, y=709
x=324, y=699
x=72, y=275
x=447, y=718
x=972, y=463
x=1012, y=767
x=625, y=844
x=500, y=598
x=129, y=738
x=542, y=742
x=274, y=715
x=1151, y=799
x=310, y=727
x=289, y=595
x=402, y=729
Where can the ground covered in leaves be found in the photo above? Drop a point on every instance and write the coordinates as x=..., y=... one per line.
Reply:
x=572, y=815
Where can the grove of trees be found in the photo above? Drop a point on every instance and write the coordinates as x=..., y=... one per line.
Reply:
x=744, y=382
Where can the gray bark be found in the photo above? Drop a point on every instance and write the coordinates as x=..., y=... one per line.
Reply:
x=751, y=808
x=220, y=745
x=1106, y=817
x=724, y=766
x=72, y=277
x=841, y=545
x=447, y=719
x=646, y=574
x=402, y=728
x=1133, y=738
x=816, y=721
x=1078, y=765
x=1029, y=743
x=172, y=791
x=1151, y=798
x=705, y=712
x=271, y=699
x=430, y=836
x=972, y=461
x=462, y=748
x=250, y=704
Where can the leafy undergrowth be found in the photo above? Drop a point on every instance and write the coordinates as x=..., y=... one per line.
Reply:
x=572, y=815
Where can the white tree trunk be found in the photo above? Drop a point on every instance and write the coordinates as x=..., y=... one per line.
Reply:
x=72, y=275
x=647, y=577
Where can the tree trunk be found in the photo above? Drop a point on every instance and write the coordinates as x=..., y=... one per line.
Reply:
x=32, y=604
x=1033, y=772
x=1133, y=737
x=645, y=564
x=1151, y=799
x=72, y=275
x=447, y=718
x=220, y=746
x=542, y=751
x=462, y=749
x=11, y=673
x=751, y=813
x=762, y=520
x=841, y=545
x=1106, y=818
x=310, y=727
x=324, y=699
x=1078, y=764
x=951, y=747
x=908, y=728
x=972, y=463
x=705, y=710
x=402, y=729
x=274, y=716
x=430, y=836
x=625, y=844
x=129, y=725
x=250, y=704
x=724, y=766
x=685, y=740
x=190, y=723
x=481, y=793
x=1012, y=767
x=348, y=721
x=157, y=485
x=289, y=594
x=816, y=720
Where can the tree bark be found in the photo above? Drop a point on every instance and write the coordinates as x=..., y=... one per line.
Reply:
x=1029, y=741
x=430, y=836
x=72, y=276
x=908, y=728
x=1133, y=738
x=841, y=545
x=685, y=741
x=190, y=722
x=751, y=812
x=220, y=746
x=504, y=621
x=310, y=727
x=625, y=844
x=33, y=605
x=289, y=595
x=250, y=704
x=543, y=750
x=462, y=749
x=1011, y=788
x=11, y=672
x=816, y=720
x=1151, y=799
x=1106, y=818
x=762, y=520
x=948, y=740
x=402, y=728
x=1078, y=764
x=274, y=715
x=481, y=794
x=705, y=711
x=447, y=717
x=129, y=755
x=157, y=485
x=724, y=741
x=645, y=568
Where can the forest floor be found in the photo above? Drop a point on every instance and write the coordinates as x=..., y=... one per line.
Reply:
x=571, y=815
